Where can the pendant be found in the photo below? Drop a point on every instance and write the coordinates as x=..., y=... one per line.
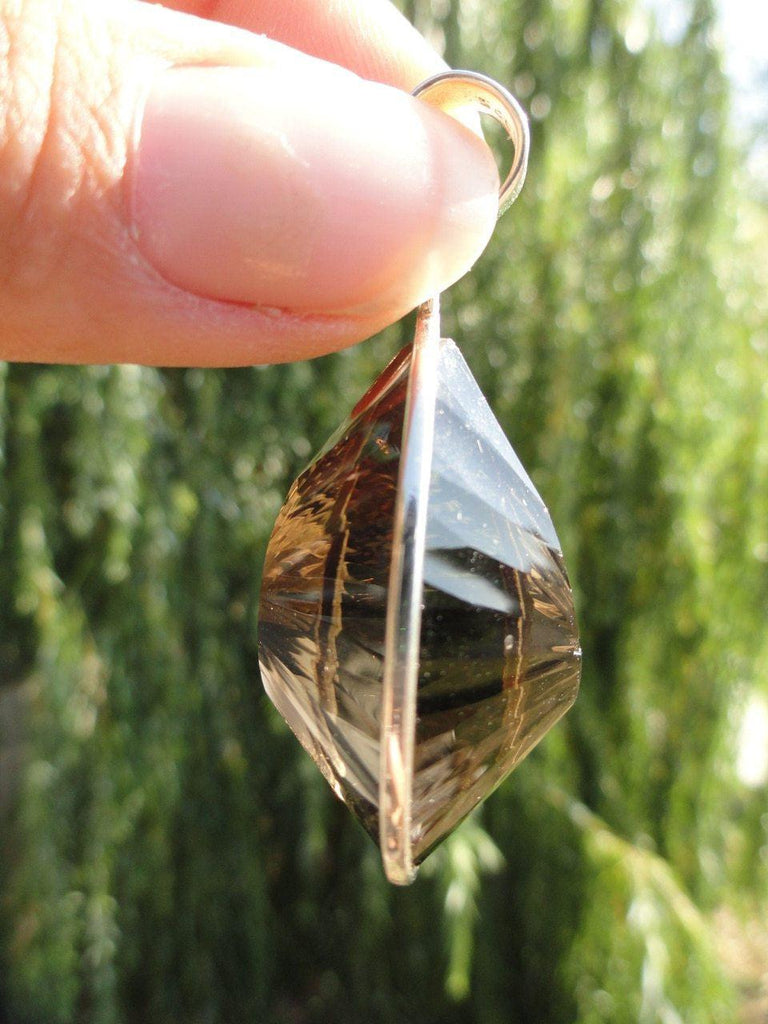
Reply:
x=416, y=627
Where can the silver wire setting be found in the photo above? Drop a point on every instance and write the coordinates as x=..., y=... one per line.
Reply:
x=451, y=91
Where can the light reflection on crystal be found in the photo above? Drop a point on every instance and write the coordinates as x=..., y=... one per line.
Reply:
x=499, y=652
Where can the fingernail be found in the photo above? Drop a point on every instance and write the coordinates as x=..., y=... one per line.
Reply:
x=322, y=193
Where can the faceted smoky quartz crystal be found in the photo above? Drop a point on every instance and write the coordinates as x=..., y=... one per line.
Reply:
x=499, y=656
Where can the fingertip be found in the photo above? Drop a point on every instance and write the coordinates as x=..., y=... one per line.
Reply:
x=326, y=195
x=369, y=37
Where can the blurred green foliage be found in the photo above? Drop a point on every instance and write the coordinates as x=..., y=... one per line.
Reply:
x=168, y=852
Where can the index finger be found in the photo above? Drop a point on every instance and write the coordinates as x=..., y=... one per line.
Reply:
x=370, y=37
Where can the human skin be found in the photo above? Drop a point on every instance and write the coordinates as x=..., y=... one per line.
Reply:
x=218, y=184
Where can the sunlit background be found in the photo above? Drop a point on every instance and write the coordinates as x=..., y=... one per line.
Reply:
x=169, y=854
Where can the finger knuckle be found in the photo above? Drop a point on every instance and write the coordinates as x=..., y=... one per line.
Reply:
x=53, y=135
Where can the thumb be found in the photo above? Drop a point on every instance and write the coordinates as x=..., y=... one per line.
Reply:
x=180, y=192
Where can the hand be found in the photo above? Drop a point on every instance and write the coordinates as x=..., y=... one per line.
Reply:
x=175, y=190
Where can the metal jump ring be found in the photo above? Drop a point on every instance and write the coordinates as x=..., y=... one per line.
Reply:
x=452, y=89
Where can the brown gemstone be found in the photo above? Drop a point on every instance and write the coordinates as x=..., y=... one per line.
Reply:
x=499, y=659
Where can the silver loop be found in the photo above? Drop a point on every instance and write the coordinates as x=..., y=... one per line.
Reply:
x=452, y=89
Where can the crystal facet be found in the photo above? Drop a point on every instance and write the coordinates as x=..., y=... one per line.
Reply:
x=499, y=654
